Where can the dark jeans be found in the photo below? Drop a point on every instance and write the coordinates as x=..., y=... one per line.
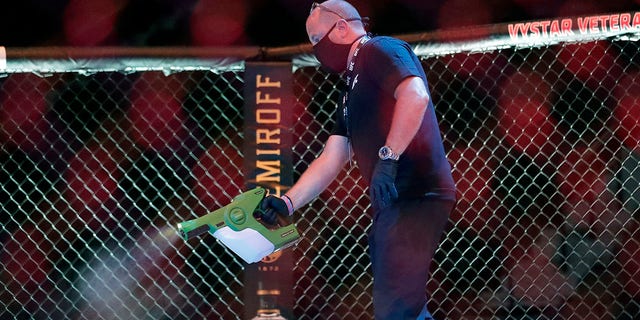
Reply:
x=402, y=242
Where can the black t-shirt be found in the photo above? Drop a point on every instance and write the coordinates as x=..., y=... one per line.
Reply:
x=381, y=64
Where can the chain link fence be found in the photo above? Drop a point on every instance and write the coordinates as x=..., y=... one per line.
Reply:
x=543, y=139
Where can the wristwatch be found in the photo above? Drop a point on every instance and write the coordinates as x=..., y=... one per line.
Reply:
x=385, y=153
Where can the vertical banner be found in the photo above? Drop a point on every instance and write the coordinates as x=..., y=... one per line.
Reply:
x=268, y=163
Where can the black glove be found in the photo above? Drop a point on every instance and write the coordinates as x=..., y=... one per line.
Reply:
x=271, y=207
x=383, y=190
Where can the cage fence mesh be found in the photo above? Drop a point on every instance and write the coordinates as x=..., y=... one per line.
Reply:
x=543, y=140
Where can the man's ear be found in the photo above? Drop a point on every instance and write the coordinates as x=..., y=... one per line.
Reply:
x=343, y=28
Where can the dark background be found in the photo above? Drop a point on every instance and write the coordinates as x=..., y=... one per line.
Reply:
x=26, y=23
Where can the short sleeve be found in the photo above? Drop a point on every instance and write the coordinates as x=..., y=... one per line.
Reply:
x=392, y=61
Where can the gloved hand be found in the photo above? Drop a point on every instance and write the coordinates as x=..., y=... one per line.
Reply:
x=383, y=190
x=271, y=207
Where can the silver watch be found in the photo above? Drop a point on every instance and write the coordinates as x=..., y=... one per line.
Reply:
x=385, y=153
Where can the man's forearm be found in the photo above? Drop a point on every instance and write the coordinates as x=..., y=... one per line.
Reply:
x=322, y=171
x=411, y=103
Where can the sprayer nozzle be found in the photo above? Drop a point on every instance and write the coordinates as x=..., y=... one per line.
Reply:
x=181, y=232
x=187, y=234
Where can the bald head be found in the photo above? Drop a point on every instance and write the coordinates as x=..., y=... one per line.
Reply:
x=342, y=8
x=334, y=12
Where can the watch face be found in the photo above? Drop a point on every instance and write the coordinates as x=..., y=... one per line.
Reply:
x=384, y=153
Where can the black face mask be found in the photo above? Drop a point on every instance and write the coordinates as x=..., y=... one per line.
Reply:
x=332, y=56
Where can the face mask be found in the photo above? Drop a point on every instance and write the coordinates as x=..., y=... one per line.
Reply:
x=332, y=56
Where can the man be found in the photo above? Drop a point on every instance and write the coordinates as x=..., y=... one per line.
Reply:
x=387, y=122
